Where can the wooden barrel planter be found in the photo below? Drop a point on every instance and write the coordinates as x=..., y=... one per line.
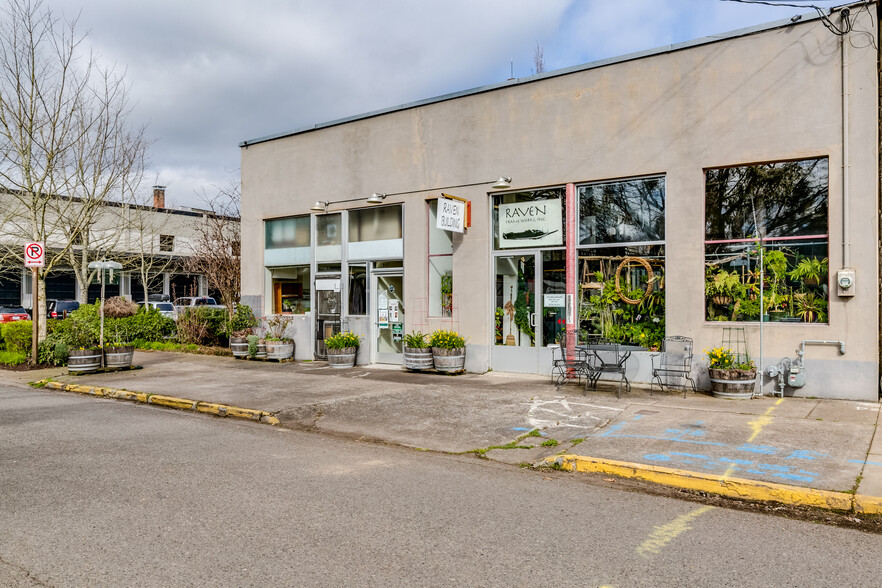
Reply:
x=732, y=384
x=239, y=346
x=342, y=358
x=283, y=349
x=119, y=356
x=449, y=360
x=84, y=360
x=261, y=351
x=418, y=358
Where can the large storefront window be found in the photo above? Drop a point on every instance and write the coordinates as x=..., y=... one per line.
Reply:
x=440, y=266
x=291, y=290
x=777, y=211
x=622, y=261
x=529, y=219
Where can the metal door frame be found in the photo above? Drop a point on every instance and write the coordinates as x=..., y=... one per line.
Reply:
x=526, y=358
x=376, y=357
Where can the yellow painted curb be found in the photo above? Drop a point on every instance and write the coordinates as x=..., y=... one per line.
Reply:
x=867, y=504
x=731, y=487
x=172, y=402
x=222, y=410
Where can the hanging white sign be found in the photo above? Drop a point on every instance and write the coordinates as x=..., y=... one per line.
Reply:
x=451, y=215
x=530, y=224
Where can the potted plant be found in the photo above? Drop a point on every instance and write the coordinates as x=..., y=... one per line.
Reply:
x=417, y=352
x=448, y=351
x=239, y=343
x=810, y=308
x=256, y=347
x=810, y=271
x=723, y=286
x=730, y=378
x=277, y=345
x=342, y=348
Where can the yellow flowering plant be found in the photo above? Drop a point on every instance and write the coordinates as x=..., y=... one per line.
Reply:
x=342, y=340
x=446, y=339
x=723, y=358
x=720, y=358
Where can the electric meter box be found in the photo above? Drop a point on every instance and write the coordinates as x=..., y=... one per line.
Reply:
x=845, y=282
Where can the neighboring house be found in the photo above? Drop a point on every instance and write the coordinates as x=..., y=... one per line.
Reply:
x=150, y=241
x=651, y=179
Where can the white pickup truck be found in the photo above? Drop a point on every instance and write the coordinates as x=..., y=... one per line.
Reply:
x=188, y=302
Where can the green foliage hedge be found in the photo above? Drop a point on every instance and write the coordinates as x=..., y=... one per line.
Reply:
x=17, y=336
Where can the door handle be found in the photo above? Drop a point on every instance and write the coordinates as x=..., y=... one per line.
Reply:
x=532, y=319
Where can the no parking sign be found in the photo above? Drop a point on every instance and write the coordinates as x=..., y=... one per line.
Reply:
x=34, y=255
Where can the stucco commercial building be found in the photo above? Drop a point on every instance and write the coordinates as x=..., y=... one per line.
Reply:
x=641, y=193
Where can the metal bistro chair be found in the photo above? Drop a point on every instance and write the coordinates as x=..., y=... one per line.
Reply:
x=674, y=361
x=567, y=365
x=610, y=360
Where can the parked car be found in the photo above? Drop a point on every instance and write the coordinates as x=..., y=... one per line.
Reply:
x=58, y=309
x=9, y=314
x=164, y=308
x=188, y=302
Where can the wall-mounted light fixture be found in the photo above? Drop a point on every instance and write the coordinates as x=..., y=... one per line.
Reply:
x=322, y=205
x=503, y=183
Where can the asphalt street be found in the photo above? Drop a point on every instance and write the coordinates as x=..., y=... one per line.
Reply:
x=106, y=493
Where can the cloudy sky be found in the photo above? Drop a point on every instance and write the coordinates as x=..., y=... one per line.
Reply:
x=209, y=74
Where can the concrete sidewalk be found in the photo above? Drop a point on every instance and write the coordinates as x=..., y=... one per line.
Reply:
x=797, y=447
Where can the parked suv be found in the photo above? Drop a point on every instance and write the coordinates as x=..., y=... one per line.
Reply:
x=57, y=309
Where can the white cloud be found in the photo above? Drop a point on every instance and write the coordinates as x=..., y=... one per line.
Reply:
x=208, y=75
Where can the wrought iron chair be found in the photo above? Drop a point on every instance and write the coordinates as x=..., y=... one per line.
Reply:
x=674, y=361
x=569, y=364
x=610, y=359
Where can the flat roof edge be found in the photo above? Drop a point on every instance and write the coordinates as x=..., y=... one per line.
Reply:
x=743, y=32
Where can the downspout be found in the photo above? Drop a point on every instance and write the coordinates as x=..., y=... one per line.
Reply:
x=571, y=268
x=846, y=236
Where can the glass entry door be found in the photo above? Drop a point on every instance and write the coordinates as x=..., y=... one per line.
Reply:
x=387, y=294
x=516, y=300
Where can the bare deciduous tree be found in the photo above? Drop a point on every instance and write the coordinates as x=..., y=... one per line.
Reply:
x=65, y=144
x=216, y=245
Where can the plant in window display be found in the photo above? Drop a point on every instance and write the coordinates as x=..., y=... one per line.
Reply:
x=810, y=271
x=522, y=307
x=723, y=286
x=809, y=307
x=447, y=295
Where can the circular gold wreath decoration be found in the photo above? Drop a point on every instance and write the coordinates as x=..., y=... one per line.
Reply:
x=649, y=278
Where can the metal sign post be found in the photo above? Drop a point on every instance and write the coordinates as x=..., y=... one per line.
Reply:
x=34, y=258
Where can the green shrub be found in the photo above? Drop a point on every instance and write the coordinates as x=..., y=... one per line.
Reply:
x=203, y=326
x=53, y=350
x=17, y=336
x=13, y=357
x=242, y=319
x=83, y=327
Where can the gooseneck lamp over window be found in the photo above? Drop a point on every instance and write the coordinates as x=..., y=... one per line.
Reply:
x=321, y=206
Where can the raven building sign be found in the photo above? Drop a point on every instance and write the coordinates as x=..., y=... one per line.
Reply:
x=530, y=224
